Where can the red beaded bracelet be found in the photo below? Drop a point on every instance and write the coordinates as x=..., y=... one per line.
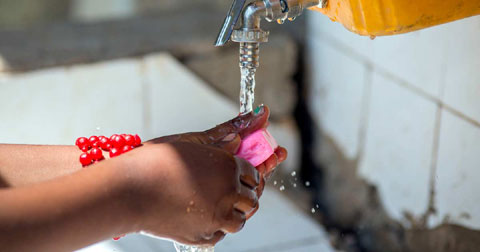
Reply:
x=116, y=145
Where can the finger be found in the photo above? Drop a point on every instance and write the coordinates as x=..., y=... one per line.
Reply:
x=271, y=163
x=230, y=143
x=260, y=188
x=253, y=212
x=234, y=222
x=282, y=154
x=247, y=174
x=212, y=239
x=262, y=169
x=247, y=200
x=243, y=124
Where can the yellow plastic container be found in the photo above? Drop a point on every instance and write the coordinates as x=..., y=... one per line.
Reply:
x=388, y=17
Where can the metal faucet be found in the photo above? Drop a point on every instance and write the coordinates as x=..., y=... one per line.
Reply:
x=249, y=34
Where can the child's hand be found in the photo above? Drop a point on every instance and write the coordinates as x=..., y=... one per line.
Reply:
x=202, y=191
x=228, y=136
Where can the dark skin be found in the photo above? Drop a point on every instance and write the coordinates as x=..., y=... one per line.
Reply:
x=188, y=187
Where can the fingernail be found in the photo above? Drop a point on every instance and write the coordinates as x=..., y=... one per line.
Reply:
x=259, y=110
x=229, y=137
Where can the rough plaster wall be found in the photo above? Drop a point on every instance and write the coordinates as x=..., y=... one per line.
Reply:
x=405, y=111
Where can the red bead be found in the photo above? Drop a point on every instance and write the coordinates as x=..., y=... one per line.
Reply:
x=129, y=140
x=114, y=152
x=118, y=142
x=138, y=141
x=105, y=143
x=93, y=139
x=85, y=159
x=112, y=137
x=127, y=148
x=82, y=143
x=85, y=148
x=96, y=154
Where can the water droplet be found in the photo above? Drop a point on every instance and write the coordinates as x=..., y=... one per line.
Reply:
x=317, y=206
x=98, y=128
x=294, y=173
x=189, y=210
x=275, y=182
x=282, y=188
x=307, y=183
x=294, y=184
x=191, y=203
x=313, y=210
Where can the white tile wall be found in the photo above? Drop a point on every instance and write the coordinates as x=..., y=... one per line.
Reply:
x=458, y=172
x=440, y=63
x=398, y=151
x=462, y=72
x=321, y=27
x=55, y=106
x=30, y=110
x=180, y=101
x=337, y=94
x=107, y=97
x=418, y=58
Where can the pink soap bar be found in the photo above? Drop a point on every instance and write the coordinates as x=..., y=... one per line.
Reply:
x=257, y=147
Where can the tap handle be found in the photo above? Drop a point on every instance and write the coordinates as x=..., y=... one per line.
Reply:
x=230, y=22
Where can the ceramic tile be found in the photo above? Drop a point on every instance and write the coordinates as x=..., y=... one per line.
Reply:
x=399, y=145
x=457, y=174
x=336, y=98
x=462, y=72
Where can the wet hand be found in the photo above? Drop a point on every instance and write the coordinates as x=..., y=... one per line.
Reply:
x=229, y=134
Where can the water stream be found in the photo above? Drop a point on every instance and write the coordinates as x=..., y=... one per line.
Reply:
x=247, y=99
x=247, y=90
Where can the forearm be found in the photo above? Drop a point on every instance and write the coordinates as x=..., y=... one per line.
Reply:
x=70, y=212
x=28, y=164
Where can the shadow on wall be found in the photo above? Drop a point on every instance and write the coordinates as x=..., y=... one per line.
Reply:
x=353, y=213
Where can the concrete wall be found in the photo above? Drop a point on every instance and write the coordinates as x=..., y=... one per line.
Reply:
x=407, y=108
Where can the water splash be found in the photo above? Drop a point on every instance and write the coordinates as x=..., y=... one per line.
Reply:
x=185, y=248
x=247, y=89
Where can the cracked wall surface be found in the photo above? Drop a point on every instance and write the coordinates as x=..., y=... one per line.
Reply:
x=400, y=118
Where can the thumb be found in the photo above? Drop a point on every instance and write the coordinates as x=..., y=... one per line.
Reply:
x=242, y=125
x=231, y=143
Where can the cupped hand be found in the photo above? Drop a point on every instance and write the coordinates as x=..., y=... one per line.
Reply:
x=228, y=137
x=202, y=190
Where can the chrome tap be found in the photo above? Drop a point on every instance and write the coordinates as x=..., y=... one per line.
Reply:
x=249, y=34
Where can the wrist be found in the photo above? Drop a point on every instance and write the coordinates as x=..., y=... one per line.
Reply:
x=143, y=176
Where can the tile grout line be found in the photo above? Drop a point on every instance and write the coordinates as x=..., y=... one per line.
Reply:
x=339, y=46
x=431, y=209
x=365, y=113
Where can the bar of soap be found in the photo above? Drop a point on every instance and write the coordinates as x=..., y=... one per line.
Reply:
x=257, y=147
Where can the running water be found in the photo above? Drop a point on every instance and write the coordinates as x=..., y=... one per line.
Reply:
x=247, y=98
x=186, y=248
x=247, y=90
